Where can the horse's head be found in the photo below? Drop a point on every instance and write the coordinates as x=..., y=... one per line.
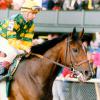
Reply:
x=75, y=55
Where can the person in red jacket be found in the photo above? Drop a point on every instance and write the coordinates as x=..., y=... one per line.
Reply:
x=4, y=4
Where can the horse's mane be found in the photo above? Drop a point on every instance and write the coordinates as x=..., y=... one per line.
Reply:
x=42, y=48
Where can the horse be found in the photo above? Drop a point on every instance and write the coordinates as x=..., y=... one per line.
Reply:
x=34, y=77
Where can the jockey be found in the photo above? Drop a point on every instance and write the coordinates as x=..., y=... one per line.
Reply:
x=16, y=34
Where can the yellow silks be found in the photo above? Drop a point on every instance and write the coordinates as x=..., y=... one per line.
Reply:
x=22, y=35
x=11, y=33
x=3, y=35
x=5, y=25
x=16, y=26
x=32, y=28
x=20, y=45
x=28, y=36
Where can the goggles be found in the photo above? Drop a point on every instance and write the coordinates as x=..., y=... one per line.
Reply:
x=34, y=9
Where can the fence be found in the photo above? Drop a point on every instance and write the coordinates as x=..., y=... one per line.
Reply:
x=89, y=90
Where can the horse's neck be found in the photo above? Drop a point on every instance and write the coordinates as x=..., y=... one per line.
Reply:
x=49, y=70
x=54, y=53
x=48, y=67
x=38, y=74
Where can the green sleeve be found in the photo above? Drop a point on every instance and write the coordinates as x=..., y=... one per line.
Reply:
x=28, y=36
x=3, y=28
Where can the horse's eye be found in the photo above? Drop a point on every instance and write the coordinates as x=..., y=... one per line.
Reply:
x=75, y=50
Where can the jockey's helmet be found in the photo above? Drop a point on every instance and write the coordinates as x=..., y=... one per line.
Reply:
x=32, y=5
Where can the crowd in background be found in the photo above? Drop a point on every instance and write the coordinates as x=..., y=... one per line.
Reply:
x=56, y=4
x=71, y=4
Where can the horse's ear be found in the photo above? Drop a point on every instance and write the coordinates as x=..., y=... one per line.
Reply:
x=74, y=30
x=81, y=34
x=74, y=34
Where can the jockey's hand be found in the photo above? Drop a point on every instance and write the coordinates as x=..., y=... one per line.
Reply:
x=6, y=64
x=28, y=50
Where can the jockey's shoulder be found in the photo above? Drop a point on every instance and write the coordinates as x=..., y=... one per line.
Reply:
x=13, y=16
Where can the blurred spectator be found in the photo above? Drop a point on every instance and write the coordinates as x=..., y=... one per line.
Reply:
x=4, y=4
x=81, y=4
x=88, y=37
x=61, y=87
x=38, y=41
x=53, y=35
x=45, y=4
x=72, y=4
x=96, y=61
x=68, y=4
x=96, y=53
x=50, y=4
x=75, y=4
x=97, y=4
x=87, y=40
x=90, y=4
x=55, y=4
x=16, y=5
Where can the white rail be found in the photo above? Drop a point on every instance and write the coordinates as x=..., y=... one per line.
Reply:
x=76, y=80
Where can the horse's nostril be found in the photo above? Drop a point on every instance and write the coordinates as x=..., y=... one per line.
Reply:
x=86, y=73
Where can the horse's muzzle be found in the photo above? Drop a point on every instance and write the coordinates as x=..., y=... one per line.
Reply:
x=88, y=75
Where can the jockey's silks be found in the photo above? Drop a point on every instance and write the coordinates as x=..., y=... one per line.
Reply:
x=18, y=32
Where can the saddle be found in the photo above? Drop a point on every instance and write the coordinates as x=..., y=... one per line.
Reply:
x=12, y=69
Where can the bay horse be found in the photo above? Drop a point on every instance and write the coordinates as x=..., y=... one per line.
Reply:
x=34, y=77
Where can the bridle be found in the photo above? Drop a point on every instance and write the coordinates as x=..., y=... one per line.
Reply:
x=72, y=58
x=68, y=52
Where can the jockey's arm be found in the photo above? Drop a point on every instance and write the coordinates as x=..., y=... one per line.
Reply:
x=24, y=43
x=3, y=28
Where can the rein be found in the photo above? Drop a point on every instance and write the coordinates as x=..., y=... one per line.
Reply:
x=75, y=73
x=66, y=51
x=56, y=63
